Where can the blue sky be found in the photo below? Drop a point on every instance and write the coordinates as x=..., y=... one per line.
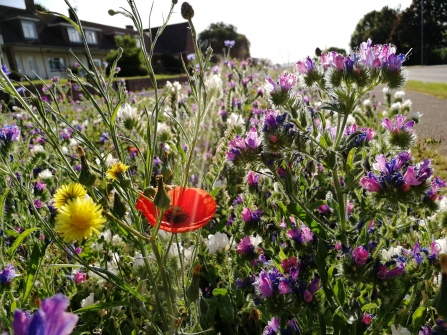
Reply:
x=282, y=30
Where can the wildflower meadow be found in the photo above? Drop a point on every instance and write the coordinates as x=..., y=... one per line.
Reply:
x=248, y=199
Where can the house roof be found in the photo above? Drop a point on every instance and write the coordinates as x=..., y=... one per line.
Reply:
x=48, y=33
x=175, y=39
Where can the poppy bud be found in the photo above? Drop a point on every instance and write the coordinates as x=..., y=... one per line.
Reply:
x=149, y=192
x=166, y=169
x=87, y=177
x=174, y=2
x=162, y=200
x=187, y=11
x=192, y=292
x=119, y=209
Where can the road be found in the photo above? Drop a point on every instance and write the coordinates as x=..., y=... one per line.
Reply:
x=430, y=73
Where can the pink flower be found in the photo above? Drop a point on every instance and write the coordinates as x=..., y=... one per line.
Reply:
x=80, y=277
x=367, y=318
x=307, y=296
x=360, y=255
x=370, y=183
x=410, y=177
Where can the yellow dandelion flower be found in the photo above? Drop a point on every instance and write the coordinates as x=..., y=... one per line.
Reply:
x=68, y=192
x=116, y=170
x=79, y=218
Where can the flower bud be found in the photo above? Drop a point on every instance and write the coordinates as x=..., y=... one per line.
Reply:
x=187, y=11
x=174, y=2
x=119, y=208
x=149, y=192
x=162, y=200
x=192, y=292
x=87, y=177
x=112, y=12
x=166, y=170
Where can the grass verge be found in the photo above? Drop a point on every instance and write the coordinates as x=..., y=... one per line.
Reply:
x=438, y=90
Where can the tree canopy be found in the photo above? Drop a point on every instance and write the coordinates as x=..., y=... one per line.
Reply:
x=131, y=61
x=217, y=33
x=403, y=29
x=376, y=25
x=406, y=33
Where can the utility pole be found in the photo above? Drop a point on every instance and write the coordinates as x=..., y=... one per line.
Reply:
x=422, y=32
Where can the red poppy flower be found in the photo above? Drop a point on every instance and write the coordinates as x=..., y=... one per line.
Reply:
x=191, y=209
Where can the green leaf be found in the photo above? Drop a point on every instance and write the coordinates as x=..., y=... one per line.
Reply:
x=20, y=239
x=32, y=269
x=215, y=191
x=116, y=110
x=2, y=201
x=226, y=308
x=282, y=255
x=220, y=291
x=339, y=291
x=369, y=306
x=74, y=24
x=418, y=317
x=103, y=305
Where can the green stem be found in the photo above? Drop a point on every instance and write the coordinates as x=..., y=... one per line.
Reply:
x=342, y=207
x=128, y=228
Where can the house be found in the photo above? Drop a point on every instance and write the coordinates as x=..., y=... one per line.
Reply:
x=39, y=45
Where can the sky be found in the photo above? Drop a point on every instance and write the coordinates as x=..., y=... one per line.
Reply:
x=281, y=30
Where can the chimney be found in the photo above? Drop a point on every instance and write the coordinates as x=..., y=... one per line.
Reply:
x=129, y=27
x=71, y=14
x=29, y=5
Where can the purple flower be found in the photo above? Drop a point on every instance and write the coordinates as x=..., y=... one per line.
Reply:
x=38, y=204
x=253, y=140
x=191, y=57
x=229, y=43
x=367, y=318
x=5, y=70
x=305, y=67
x=360, y=255
x=263, y=285
x=9, y=134
x=50, y=319
x=272, y=327
x=400, y=124
x=245, y=247
x=397, y=271
x=8, y=274
x=410, y=177
x=252, y=179
x=251, y=217
x=104, y=137
x=284, y=287
x=287, y=81
x=307, y=296
x=314, y=285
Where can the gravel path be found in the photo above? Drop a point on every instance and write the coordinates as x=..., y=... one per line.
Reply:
x=433, y=123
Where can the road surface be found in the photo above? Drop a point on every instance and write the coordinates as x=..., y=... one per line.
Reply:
x=429, y=73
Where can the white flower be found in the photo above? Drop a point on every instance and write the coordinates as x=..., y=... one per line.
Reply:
x=217, y=242
x=45, y=174
x=173, y=87
x=110, y=160
x=36, y=149
x=255, y=241
x=396, y=106
x=162, y=127
x=399, y=331
x=117, y=240
x=90, y=300
x=107, y=235
x=386, y=90
x=138, y=260
x=367, y=102
x=415, y=115
x=213, y=81
x=127, y=112
x=350, y=121
x=442, y=245
x=235, y=120
x=407, y=103
x=65, y=150
x=73, y=142
x=399, y=94
x=388, y=254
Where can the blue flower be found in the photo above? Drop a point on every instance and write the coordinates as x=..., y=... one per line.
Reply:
x=50, y=319
x=229, y=44
x=5, y=70
x=8, y=274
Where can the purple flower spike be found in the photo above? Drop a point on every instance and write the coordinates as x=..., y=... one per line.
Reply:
x=245, y=247
x=51, y=319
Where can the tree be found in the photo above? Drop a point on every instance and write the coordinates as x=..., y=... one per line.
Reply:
x=406, y=33
x=131, y=61
x=374, y=25
x=41, y=8
x=219, y=32
x=341, y=51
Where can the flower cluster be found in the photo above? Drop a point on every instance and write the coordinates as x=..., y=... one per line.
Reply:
x=244, y=149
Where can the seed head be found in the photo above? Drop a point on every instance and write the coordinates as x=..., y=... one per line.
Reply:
x=187, y=11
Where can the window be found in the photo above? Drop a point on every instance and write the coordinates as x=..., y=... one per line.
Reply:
x=29, y=29
x=138, y=40
x=56, y=64
x=32, y=64
x=73, y=35
x=19, y=64
x=91, y=37
x=97, y=63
